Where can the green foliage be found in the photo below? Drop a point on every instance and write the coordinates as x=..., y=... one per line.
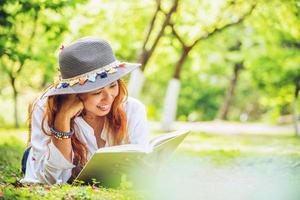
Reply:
x=277, y=67
x=32, y=31
x=271, y=66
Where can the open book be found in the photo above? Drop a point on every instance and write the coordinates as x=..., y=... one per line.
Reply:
x=109, y=164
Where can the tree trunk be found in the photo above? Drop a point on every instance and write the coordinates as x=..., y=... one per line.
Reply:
x=223, y=112
x=179, y=64
x=171, y=98
x=170, y=104
x=147, y=53
x=15, y=97
x=296, y=114
x=136, y=82
x=137, y=79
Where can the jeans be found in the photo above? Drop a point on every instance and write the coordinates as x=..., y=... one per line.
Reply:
x=24, y=160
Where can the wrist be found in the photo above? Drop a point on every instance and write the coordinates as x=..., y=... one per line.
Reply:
x=62, y=135
x=62, y=116
x=62, y=123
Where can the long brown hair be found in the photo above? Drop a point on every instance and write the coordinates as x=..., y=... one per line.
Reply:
x=116, y=118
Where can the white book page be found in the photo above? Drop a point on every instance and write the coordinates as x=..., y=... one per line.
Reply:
x=123, y=148
x=165, y=137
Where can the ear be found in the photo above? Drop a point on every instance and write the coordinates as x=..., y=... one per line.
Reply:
x=79, y=97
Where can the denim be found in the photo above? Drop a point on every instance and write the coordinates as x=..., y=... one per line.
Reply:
x=24, y=159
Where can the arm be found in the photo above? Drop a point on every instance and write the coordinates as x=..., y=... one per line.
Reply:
x=46, y=163
x=71, y=107
x=62, y=123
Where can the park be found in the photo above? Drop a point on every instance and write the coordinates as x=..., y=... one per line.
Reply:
x=226, y=70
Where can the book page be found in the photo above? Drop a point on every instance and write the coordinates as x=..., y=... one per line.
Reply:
x=123, y=148
x=165, y=137
x=165, y=147
x=109, y=164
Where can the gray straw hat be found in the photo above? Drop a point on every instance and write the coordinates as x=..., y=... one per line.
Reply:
x=86, y=65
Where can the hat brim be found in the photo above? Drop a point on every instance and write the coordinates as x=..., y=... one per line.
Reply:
x=91, y=86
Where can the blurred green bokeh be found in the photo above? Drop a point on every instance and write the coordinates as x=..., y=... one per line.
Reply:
x=266, y=43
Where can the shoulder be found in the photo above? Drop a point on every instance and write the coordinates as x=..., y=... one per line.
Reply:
x=131, y=104
x=40, y=102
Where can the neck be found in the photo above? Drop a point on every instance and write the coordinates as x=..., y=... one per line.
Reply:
x=94, y=121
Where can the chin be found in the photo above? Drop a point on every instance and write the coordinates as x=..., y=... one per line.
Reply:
x=103, y=113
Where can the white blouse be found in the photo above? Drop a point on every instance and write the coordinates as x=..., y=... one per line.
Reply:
x=46, y=164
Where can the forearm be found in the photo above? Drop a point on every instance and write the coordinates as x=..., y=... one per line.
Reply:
x=62, y=123
x=53, y=168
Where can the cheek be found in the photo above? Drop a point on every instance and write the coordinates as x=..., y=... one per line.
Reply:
x=113, y=97
x=90, y=103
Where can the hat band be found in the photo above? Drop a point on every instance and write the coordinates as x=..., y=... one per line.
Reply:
x=91, y=76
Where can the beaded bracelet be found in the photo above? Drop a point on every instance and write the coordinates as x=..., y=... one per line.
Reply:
x=62, y=135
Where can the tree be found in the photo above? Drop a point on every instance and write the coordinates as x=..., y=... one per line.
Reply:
x=137, y=78
x=217, y=26
x=275, y=56
x=29, y=29
x=228, y=98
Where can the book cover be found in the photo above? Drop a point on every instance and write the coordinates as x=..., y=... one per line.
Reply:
x=109, y=165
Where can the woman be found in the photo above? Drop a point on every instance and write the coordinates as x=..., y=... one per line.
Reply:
x=86, y=109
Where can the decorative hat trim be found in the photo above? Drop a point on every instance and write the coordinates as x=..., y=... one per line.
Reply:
x=91, y=76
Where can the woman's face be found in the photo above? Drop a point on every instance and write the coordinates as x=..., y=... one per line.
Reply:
x=99, y=102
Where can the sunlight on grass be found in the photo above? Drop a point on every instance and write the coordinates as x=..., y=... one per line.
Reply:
x=233, y=167
x=254, y=167
x=247, y=144
x=6, y=135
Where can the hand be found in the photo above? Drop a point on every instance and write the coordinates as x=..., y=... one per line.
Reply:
x=71, y=107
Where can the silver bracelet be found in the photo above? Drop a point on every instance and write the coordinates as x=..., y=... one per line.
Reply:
x=62, y=135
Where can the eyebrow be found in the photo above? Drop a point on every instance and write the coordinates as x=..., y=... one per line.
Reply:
x=102, y=88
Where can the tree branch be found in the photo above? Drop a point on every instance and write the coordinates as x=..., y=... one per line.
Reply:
x=216, y=30
x=146, y=54
x=6, y=69
x=291, y=44
x=206, y=35
x=166, y=23
x=158, y=8
x=177, y=36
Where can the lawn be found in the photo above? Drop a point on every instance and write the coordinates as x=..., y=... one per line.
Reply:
x=203, y=167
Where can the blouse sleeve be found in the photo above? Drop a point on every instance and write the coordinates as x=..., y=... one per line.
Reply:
x=137, y=126
x=47, y=164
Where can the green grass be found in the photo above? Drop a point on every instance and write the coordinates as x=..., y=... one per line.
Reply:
x=11, y=150
x=204, y=166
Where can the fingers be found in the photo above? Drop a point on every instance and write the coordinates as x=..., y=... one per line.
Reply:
x=78, y=113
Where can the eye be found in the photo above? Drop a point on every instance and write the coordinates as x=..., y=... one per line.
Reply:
x=97, y=93
x=114, y=85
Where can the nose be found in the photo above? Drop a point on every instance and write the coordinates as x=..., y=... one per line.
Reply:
x=106, y=95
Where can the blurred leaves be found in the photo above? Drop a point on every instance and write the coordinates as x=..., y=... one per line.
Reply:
x=269, y=46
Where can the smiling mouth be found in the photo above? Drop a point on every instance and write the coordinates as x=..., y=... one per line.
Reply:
x=104, y=107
